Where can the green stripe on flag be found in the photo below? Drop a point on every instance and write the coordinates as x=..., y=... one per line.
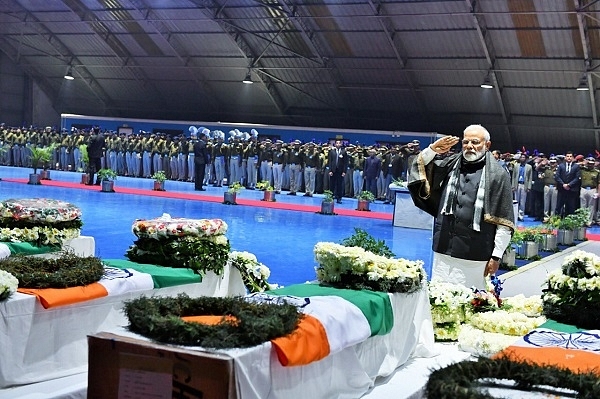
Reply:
x=161, y=276
x=375, y=306
x=561, y=327
x=26, y=248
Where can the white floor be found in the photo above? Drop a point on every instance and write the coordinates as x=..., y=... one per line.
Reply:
x=407, y=382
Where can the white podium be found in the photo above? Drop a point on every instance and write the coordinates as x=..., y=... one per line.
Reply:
x=406, y=214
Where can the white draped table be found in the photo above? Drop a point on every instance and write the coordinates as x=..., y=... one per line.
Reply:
x=346, y=374
x=38, y=344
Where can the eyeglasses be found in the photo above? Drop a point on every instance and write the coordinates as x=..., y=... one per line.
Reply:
x=474, y=142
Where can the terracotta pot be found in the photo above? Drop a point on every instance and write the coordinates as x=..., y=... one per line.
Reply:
x=363, y=205
x=85, y=178
x=159, y=186
x=269, y=196
x=45, y=175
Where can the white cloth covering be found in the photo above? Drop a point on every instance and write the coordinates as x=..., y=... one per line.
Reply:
x=349, y=373
x=40, y=344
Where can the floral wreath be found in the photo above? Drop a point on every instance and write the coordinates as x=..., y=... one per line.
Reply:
x=244, y=323
x=66, y=270
x=28, y=212
x=462, y=380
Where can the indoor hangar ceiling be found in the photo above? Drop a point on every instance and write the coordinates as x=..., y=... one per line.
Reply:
x=357, y=64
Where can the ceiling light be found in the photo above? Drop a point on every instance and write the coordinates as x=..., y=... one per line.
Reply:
x=487, y=82
x=69, y=74
x=248, y=79
x=583, y=83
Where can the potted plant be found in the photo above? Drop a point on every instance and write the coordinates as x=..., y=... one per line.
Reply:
x=107, y=177
x=364, y=199
x=85, y=160
x=230, y=196
x=509, y=257
x=530, y=238
x=159, y=180
x=565, y=228
x=327, y=203
x=549, y=243
x=582, y=216
x=269, y=192
x=40, y=156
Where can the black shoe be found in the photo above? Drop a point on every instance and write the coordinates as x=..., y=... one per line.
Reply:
x=291, y=193
x=306, y=195
x=339, y=201
x=200, y=189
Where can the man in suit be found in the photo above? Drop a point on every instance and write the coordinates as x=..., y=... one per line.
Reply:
x=337, y=163
x=200, y=160
x=568, y=183
x=95, y=151
x=521, y=183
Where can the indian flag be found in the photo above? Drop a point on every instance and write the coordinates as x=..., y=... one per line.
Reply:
x=335, y=319
x=577, y=351
x=120, y=276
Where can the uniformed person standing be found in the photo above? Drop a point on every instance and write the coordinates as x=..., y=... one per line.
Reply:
x=589, y=189
x=294, y=162
x=550, y=191
x=310, y=162
x=279, y=157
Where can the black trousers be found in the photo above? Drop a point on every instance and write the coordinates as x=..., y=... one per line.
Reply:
x=567, y=199
x=336, y=185
x=199, y=170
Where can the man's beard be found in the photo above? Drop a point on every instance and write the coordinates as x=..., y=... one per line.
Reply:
x=473, y=156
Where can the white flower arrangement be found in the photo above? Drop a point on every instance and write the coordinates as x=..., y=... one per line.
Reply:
x=38, y=210
x=529, y=306
x=8, y=284
x=447, y=332
x=449, y=302
x=474, y=340
x=254, y=274
x=44, y=235
x=572, y=293
x=353, y=267
x=503, y=322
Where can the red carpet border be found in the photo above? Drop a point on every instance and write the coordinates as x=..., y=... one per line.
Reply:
x=211, y=198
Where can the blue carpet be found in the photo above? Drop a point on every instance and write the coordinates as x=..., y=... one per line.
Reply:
x=283, y=240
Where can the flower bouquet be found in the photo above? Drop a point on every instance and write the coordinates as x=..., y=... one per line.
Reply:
x=254, y=274
x=39, y=221
x=355, y=268
x=8, y=284
x=198, y=244
x=449, y=308
x=572, y=295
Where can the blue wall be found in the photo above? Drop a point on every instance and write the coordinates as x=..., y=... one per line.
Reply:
x=285, y=133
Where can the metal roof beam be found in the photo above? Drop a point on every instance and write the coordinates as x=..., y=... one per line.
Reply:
x=587, y=57
x=81, y=10
x=490, y=56
x=398, y=49
x=246, y=50
x=178, y=49
x=64, y=54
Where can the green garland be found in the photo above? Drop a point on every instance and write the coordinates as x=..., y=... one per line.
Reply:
x=199, y=254
x=578, y=313
x=461, y=380
x=66, y=270
x=12, y=223
x=159, y=318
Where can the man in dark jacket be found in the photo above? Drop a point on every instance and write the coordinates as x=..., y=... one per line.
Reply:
x=371, y=171
x=200, y=160
x=337, y=163
x=95, y=149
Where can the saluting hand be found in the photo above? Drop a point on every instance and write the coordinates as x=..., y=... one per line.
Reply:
x=443, y=145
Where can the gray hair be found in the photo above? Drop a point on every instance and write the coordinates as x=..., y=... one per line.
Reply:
x=486, y=134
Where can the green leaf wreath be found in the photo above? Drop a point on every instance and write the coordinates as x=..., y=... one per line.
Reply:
x=362, y=239
x=159, y=318
x=465, y=380
x=200, y=254
x=65, y=270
